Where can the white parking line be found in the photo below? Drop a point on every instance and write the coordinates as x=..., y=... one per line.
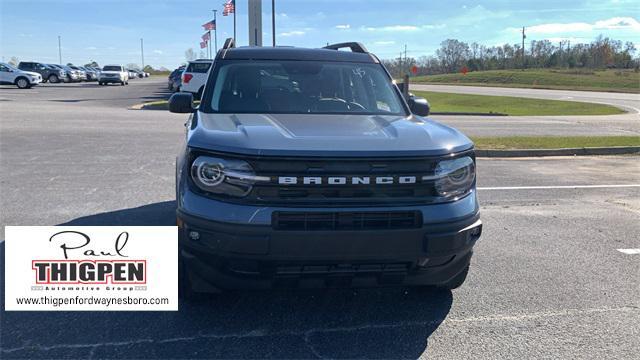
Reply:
x=559, y=187
x=629, y=251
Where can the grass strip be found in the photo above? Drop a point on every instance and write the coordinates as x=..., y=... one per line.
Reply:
x=553, y=142
x=614, y=80
x=514, y=106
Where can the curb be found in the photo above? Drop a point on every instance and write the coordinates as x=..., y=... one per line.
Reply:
x=143, y=106
x=616, y=150
x=136, y=107
x=467, y=113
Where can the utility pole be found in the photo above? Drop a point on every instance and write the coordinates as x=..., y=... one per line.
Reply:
x=560, y=52
x=273, y=22
x=405, y=57
x=142, y=52
x=523, y=37
x=59, y=51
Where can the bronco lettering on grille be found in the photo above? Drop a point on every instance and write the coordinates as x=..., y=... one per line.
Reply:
x=346, y=180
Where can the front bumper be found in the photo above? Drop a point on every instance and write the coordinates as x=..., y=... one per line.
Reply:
x=111, y=80
x=236, y=252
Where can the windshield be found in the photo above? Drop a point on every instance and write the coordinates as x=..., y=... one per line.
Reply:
x=112, y=68
x=11, y=66
x=299, y=87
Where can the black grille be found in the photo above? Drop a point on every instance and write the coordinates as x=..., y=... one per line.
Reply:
x=345, y=194
x=329, y=195
x=331, y=221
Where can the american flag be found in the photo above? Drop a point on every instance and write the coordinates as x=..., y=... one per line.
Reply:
x=229, y=7
x=206, y=37
x=211, y=25
x=203, y=44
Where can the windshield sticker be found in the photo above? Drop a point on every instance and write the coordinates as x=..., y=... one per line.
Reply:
x=359, y=71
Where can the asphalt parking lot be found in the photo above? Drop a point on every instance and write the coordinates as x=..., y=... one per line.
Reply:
x=547, y=279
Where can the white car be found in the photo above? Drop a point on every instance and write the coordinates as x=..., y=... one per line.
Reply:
x=132, y=74
x=113, y=74
x=195, y=76
x=10, y=75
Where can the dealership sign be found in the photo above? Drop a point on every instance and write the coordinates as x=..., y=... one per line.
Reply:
x=91, y=268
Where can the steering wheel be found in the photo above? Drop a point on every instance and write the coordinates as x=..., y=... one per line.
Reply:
x=332, y=105
x=354, y=106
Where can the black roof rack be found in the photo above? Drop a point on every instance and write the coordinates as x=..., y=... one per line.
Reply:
x=354, y=46
x=228, y=44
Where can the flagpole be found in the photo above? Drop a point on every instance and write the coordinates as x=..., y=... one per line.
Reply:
x=215, y=30
x=235, y=10
x=273, y=21
x=209, y=44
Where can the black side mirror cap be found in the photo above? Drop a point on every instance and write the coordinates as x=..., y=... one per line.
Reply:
x=181, y=102
x=419, y=106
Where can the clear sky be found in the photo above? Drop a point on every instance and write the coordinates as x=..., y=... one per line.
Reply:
x=109, y=31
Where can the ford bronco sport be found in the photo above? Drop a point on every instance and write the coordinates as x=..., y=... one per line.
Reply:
x=310, y=167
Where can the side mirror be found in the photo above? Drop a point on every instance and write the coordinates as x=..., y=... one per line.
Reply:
x=181, y=103
x=419, y=106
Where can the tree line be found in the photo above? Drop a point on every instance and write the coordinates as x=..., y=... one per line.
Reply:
x=454, y=55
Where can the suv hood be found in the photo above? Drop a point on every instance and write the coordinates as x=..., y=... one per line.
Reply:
x=31, y=73
x=322, y=135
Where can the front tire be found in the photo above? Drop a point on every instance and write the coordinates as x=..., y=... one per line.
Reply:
x=121, y=83
x=23, y=83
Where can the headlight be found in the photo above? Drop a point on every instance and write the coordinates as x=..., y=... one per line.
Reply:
x=226, y=177
x=455, y=177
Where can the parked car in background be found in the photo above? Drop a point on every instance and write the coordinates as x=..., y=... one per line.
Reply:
x=92, y=75
x=10, y=75
x=113, y=74
x=97, y=70
x=132, y=74
x=81, y=73
x=175, y=79
x=72, y=75
x=195, y=77
x=48, y=73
